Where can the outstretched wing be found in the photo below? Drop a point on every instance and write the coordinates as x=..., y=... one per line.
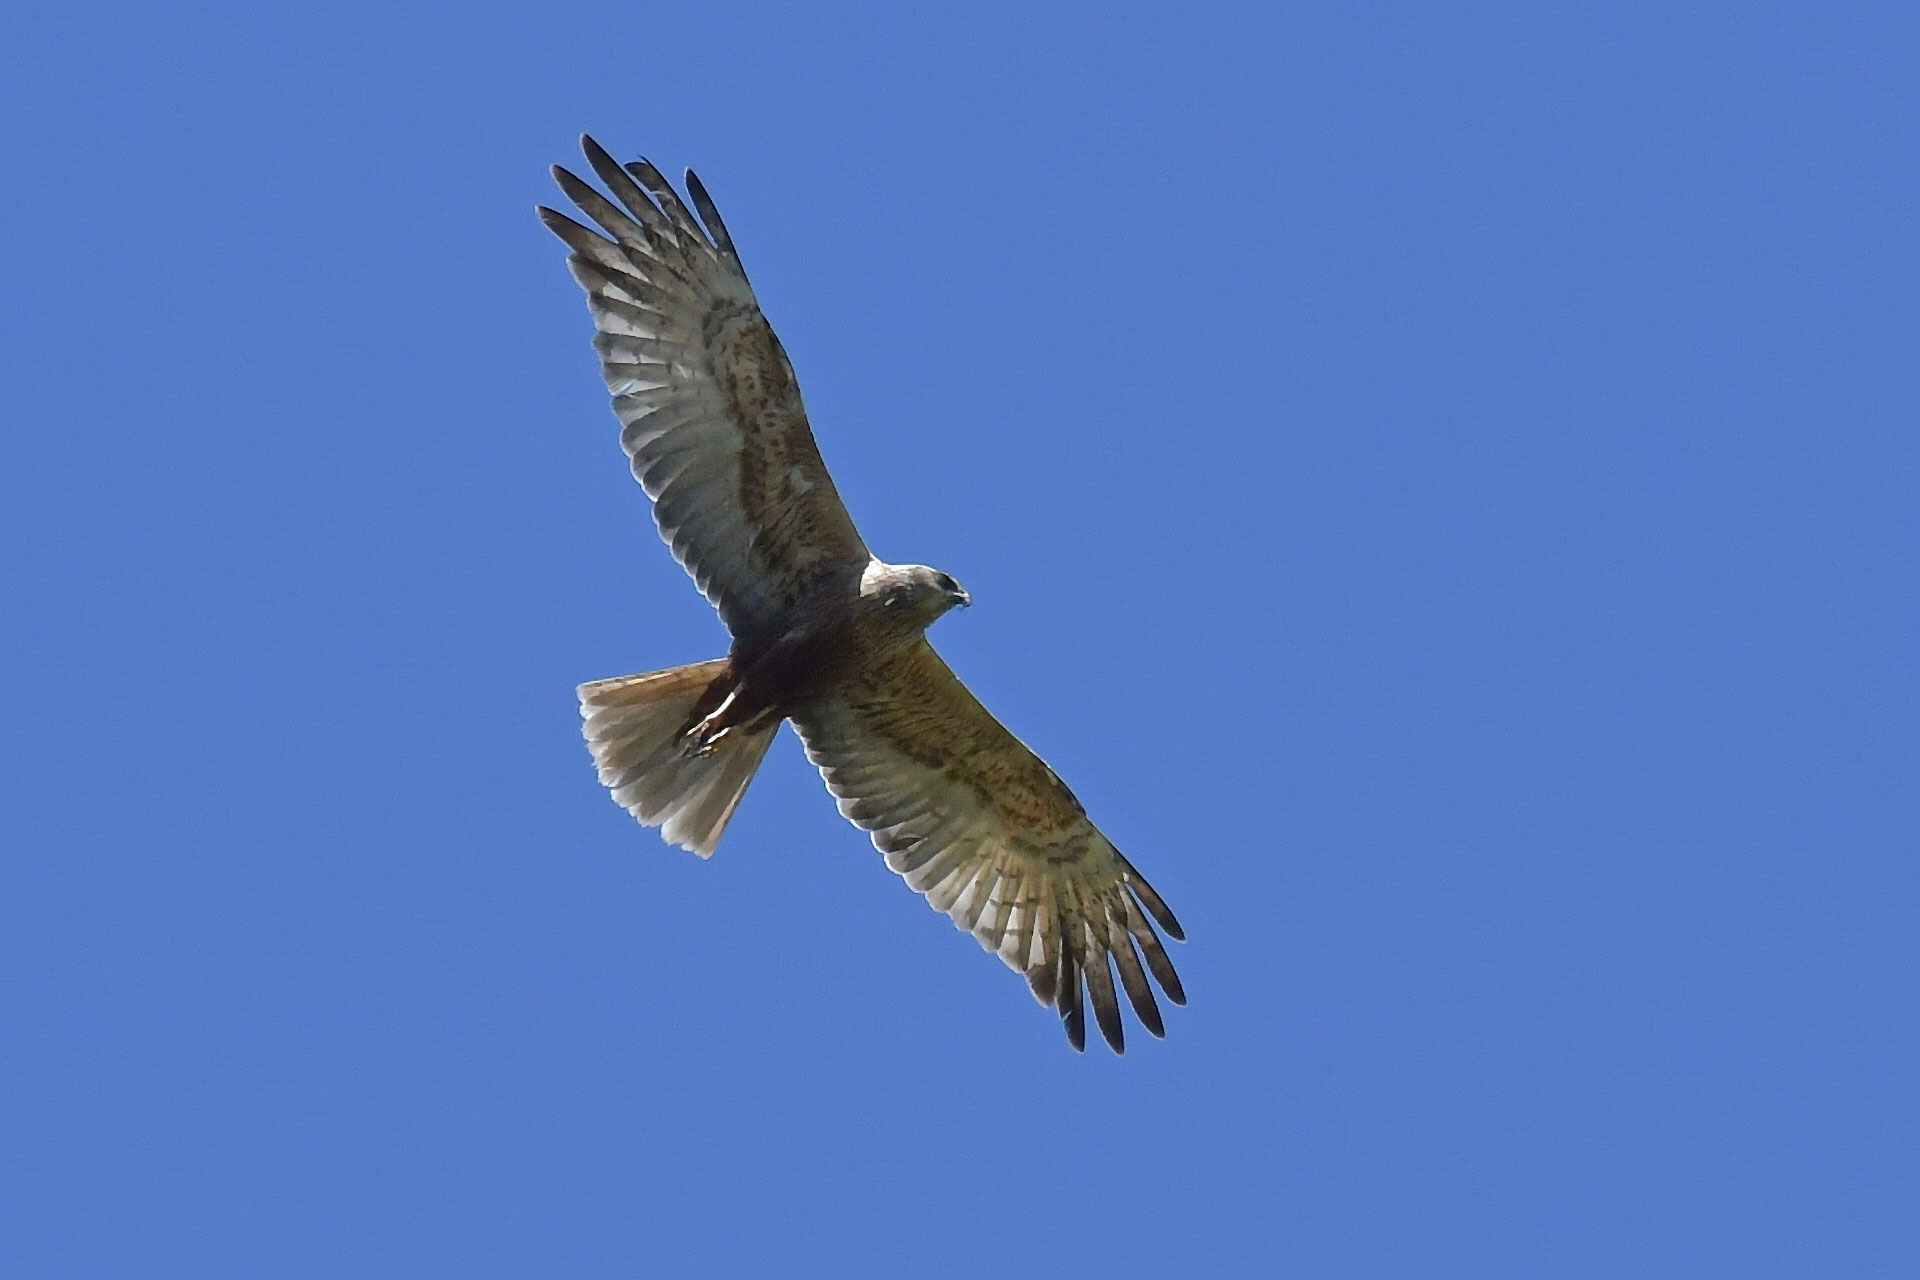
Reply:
x=981, y=826
x=711, y=411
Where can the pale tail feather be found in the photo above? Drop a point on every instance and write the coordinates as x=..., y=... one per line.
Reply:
x=633, y=726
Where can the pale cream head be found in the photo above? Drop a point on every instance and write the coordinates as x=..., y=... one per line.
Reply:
x=910, y=593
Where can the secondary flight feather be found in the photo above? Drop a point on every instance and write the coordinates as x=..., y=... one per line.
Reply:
x=824, y=634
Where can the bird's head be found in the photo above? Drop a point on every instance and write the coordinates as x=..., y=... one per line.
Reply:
x=911, y=593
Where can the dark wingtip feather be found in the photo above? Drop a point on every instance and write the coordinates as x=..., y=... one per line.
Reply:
x=583, y=240
x=601, y=162
x=669, y=201
x=1155, y=1027
x=594, y=152
x=710, y=215
x=1106, y=1006
x=1073, y=1013
x=1163, y=970
x=1155, y=907
x=1156, y=954
x=571, y=183
x=643, y=169
x=1134, y=979
x=555, y=220
x=620, y=183
x=1076, y=1024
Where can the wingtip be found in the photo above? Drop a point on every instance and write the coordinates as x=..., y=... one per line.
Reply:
x=557, y=222
x=650, y=176
x=590, y=146
x=598, y=157
x=1148, y=897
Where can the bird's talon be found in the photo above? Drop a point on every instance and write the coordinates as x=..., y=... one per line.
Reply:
x=701, y=740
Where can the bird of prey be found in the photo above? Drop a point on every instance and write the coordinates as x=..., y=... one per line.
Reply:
x=824, y=633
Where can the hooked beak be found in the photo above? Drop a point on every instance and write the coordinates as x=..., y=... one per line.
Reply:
x=960, y=597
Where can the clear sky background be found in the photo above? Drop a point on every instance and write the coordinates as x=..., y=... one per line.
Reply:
x=1440, y=487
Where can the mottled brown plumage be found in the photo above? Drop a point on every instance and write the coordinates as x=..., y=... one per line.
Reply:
x=824, y=634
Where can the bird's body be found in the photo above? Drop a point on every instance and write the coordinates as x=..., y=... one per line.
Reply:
x=825, y=634
x=819, y=646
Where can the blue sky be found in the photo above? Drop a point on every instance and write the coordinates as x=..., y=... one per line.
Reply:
x=1440, y=486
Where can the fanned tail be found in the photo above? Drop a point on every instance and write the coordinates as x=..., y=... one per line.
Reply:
x=634, y=727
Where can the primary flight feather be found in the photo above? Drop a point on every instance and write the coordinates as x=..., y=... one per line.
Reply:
x=824, y=634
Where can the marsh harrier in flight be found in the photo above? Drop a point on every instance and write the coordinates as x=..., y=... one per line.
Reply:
x=824, y=633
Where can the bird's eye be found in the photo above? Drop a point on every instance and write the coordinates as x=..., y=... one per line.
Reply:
x=948, y=585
